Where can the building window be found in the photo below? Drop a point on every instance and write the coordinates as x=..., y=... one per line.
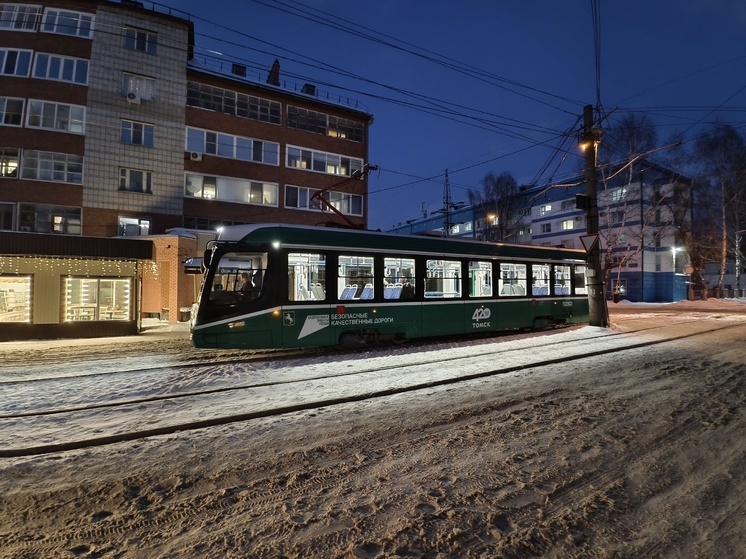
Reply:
x=301, y=198
x=545, y=209
x=234, y=147
x=142, y=87
x=66, y=22
x=321, y=123
x=97, y=299
x=546, y=227
x=133, y=227
x=229, y=189
x=9, y=162
x=55, y=116
x=50, y=166
x=233, y=103
x=6, y=216
x=41, y=218
x=322, y=162
x=137, y=39
x=19, y=17
x=137, y=133
x=15, y=298
x=349, y=204
x=61, y=68
x=568, y=224
x=15, y=62
x=619, y=194
x=135, y=180
x=11, y=111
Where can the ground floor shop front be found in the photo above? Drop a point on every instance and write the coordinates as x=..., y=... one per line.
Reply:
x=70, y=287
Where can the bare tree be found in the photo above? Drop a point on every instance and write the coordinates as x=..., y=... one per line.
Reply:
x=721, y=154
x=497, y=203
x=630, y=138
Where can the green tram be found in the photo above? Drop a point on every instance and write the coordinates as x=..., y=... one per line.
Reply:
x=286, y=286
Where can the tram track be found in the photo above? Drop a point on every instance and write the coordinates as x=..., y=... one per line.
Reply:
x=172, y=423
x=259, y=357
x=245, y=386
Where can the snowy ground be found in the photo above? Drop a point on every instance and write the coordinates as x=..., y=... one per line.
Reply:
x=635, y=453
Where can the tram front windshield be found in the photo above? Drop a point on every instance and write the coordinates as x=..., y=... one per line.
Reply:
x=239, y=277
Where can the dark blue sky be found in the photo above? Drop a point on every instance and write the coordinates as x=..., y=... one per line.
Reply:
x=510, y=78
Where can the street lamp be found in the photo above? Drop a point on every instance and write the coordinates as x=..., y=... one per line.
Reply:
x=674, y=250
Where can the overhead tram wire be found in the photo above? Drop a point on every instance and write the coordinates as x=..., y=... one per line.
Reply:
x=437, y=110
x=458, y=66
x=418, y=96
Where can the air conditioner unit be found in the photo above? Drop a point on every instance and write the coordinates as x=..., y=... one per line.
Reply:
x=133, y=98
x=195, y=156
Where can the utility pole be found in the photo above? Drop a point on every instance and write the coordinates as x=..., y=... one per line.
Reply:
x=447, y=207
x=598, y=314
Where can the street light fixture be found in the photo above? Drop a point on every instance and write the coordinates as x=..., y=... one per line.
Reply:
x=674, y=250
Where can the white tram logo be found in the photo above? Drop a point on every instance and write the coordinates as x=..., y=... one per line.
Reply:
x=481, y=313
x=481, y=317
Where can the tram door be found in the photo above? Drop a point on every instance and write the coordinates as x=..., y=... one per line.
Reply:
x=306, y=313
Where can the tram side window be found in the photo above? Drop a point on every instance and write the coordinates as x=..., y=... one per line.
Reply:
x=239, y=278
x=399, y=281
x=355, y=278
x=306, y=276
x=480, y=279
x=512, y=282
x=562, y=280
x=540, y=279
x=579, y=280
x=443, y=279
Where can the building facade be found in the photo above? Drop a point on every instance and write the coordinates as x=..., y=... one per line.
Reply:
x=644, y=216
x=111, y=125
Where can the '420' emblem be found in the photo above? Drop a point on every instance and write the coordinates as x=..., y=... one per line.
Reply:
x=481, y=314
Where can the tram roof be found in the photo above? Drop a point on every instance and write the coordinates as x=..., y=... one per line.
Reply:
x=328, y=237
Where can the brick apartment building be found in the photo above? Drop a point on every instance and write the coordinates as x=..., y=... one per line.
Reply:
x=113, y=125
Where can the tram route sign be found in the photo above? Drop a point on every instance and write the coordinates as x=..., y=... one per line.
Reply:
x=589, y=241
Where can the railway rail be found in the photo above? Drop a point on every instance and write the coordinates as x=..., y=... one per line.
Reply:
x=290, y=387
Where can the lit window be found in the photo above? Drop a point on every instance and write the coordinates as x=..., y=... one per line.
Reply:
x=15, y=298
x=568, y=224
x=133, y=227
x=97, y=299
x=545, y=209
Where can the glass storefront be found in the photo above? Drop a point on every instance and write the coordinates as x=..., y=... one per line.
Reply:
x=15, y=298
x=97, y=299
